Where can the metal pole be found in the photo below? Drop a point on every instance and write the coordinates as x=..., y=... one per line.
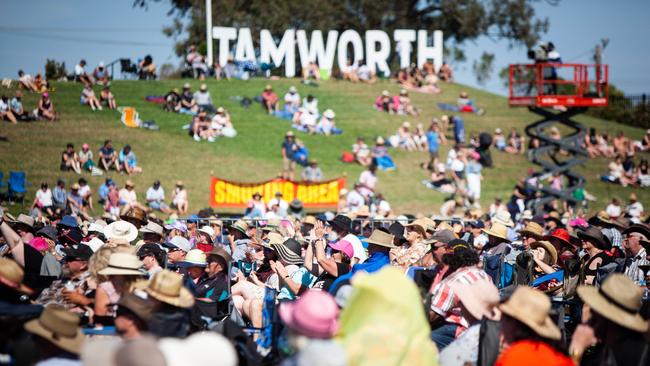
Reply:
x=208, y=29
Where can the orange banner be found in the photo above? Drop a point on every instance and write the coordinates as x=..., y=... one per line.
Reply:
x=224, y=193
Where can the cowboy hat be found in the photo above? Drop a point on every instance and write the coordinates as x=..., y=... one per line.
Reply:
x=135, y=215
x=12, y=275
x=152, y=228
x=550, y=249
x=94, y=243
x=527, y=215
x=141, y=307
x=560, y=235
x=121, y=230
x=443, y=237
x=194, y=258
x=532, y=307
x=480, y=298
x=642, y=229
x=314, y=315
x=497, y=230
x=596, y=237
x=417, y=226
x=618, y=299
x=381, y=238
x=503, y=217
x=221, y=253
x=167, y=286
x=289, y=251
x=59, y=327
x=533, y=229
x=123, y=263
x=241, y=226
x=600, y=218
x=23, y=220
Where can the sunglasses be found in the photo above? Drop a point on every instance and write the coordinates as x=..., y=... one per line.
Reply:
x=174, y=250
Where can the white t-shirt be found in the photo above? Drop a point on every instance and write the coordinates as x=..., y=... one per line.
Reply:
x=202, y=98
x=45, y=198
x=181, y=196
x=282, y=204
x=364, y=72
x=359, y=250
x=156, y=194
x=84, y=190
x=310, y=106
x=369, y=180
x=292, y=98
x=355, y=200
x=79, y=70
x=613, y=210
x=4, y=107
x=634, y=209
x=128, y=196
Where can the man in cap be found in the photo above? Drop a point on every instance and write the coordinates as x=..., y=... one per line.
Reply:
x=438, y=243
x=156, y=198
x=132, y=316
x=73, y=290
x=177, y=248
x=635, y=253
x=152, y=257
x=479, y=238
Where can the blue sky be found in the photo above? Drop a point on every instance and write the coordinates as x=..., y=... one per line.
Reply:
x=33, y=30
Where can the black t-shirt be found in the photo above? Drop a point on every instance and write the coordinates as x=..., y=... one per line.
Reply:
x=33, y=262
x=324, y=281
x=216, y=288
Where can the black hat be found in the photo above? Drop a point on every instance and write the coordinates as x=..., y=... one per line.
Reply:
x=397, y=230
x=456, y=244
x=73, y=236
x=642, y=229
x=47, y=232
x=152, y=249
x=79, y=252
x=341, y=222
x=595, y=236
x=477, y=224
x=289, y=251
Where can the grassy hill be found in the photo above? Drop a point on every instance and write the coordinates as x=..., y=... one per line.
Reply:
x=254, y=155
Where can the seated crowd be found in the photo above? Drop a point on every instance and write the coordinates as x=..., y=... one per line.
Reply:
x=14, y=111
x=490, y=285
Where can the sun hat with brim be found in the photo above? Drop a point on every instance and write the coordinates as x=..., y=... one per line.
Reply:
x=122, y=263
x=532, y=307
x=207, y=230
x=96, y=227
x=152, y=228
x=314, y=315
x=560, y=235
x=241, y=226
x=600, y=219
x=595, y=236
x=417, y=227
x=533, y=229
x=621, y=223
x=59, y=327
x=441, y=238
x=221, y=253
x=343, y=246
x=23, y=221
x=381, y=239
x=12, y=275
x=273, y=238
x=47, y=232
x=69, y=222
x=289, y=251
x=553, y=216
x=94, y=243
x=503, y=217
x=137, y=305
x=121, y=230
x=618, y=299
x=177, y=225
x=272, y=224
x=180, y=243
x=167, y=286
x=480, y=298
x=341, y=222
x=642, y=229
x=194, y=258
x=497, y=230
x=309, y=220
x=550, y=249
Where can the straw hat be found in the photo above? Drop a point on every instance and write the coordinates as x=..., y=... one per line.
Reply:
x=123, y=263
x=503, y=217
x=309, y=220
x=498, y=230
x=220, y=252
x=418, y=226
x=532, y=308
x=194, y=258
x=272, y=224
x=385, y=93
x=527, y=215
x=121, y=230
x=618, y=299
x=550, y=249
x=12, y=275
x=533, y=230
x=363, y=211
x=600, y=218
x=168, y=287
x=152, y=228
x=480, y=298
x=241, y=226
x=381, y=238
x=141, y=307
x=135, y=215
x=59, y=327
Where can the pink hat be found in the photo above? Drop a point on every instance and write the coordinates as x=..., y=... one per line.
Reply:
x=314, y=315
x=85, y=146
x=343, y=246
x=38, y=243
x=46, y=95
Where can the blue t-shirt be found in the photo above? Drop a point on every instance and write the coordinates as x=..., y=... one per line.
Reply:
x=459, y=129
x=289, y=149
x=106, y=151
x=432, y=140
x=103, y=191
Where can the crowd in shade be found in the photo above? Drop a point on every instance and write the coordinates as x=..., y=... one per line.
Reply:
x=330, y=289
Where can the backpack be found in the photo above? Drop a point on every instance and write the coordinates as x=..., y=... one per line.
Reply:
x=502, y=273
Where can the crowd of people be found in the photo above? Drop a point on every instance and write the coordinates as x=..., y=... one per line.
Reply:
x=14, y=111
x=481, y=289
x=122, y=161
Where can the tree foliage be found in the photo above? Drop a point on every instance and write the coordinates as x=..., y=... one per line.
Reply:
x=460, y=20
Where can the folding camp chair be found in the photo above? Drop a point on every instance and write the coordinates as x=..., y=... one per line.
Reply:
x=130, y=117
x=128, y=69
x=16, y=190
x=268, y=333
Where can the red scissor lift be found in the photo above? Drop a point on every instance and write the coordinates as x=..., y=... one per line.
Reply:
x=557, y=92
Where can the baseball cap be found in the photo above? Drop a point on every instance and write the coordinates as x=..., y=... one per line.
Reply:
x=441, y=238
x=477, y=224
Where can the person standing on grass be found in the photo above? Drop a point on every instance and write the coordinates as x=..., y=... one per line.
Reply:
x=289, y=148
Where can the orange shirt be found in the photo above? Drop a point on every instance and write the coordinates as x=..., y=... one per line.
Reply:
x=532, y=352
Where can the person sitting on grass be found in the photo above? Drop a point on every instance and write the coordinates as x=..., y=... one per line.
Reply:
x=88, y=98
x=5, y=110
x=43, y=200
x=361, y=152
x=386, y=103
x=128, y=198
x=516, y=142
x=108, y=156
x=26, y=81
x=327, y=125
x=467, y=105
x=188, y=103
x=41, y=84
x=270, y=100
x=70, y=160
x=445, y=73
x=101, y=74
x=46, y=108
x=156, y=198
x=86, y=193
x=311, y=71
x=380, y=156
x=204, y=100
x=172, y=101
x=75, y=201
x=201, y=127
x=106, y=97
x=179, y=198
x=127, y=161
x=17, y=109
x=59, y=197
x=80, y=74
x=86, y=158
x=147, y=68
x=406, y=105
x=365, y=74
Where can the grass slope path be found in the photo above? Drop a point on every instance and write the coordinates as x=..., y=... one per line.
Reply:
x=254, y=155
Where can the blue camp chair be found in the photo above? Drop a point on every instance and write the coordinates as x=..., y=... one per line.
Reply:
x=2, y=177
x=17, y=182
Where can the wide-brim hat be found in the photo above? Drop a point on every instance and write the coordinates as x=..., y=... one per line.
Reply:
x=167, y=286
x=560, y=235
x=59, y=327
x=417, y=226
x=618, y=299
x=241, y=226
x=141, y=307
x=194, y=258
x=550, y=249
x=207, y=230
x=221, y=253
x=503, y=217
x=600, y=218
x=121, y=230
x=48, y=232
x=24, y=221
x=314, y=315
x=13, y=275
x=595, y=236
x=533, y=230
x=289, y=251
x=498, y=230
x=532, y=307
x=152, y=228
x=272, y=224
x=135, y=214
x=381, y=238
x=329, y=114
x=642, y=229
x=341, y=222
x=554, y=216
x=480, y=298
x=123, y=263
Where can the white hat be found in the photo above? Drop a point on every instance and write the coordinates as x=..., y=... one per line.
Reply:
x=123, y=263
x=121, y=230
x=207, y=230
x=329, y=114
x=198, y=349
x=292, y=89
x=180, y=243
x=101, y=63
x=96, y=227
x=497, y=130
x=94, y=243
x=385, y=93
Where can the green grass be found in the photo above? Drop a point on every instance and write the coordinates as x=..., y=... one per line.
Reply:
x=254, y=155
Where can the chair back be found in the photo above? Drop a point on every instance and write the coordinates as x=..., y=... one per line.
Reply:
x=129, y=117
x=2, y=176
x=16, y=182
x=126, y=66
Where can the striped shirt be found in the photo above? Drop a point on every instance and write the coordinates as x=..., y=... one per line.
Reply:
x=444, y=301
x=632, y=270
x=615, y=236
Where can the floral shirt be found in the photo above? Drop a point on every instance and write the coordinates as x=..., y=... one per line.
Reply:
x=54, y=293
x=409, y=255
